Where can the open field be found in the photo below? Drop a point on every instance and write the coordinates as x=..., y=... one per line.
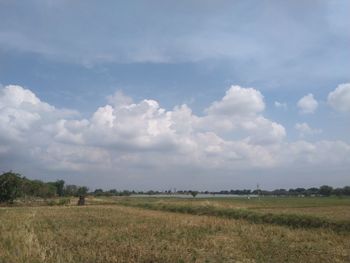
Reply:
x=332, y=208
x=114, y=230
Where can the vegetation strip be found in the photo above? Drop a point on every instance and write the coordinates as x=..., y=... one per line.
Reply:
x=290, y=220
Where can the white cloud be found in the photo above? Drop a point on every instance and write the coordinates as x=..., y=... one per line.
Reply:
x=141, y=137
x=16, y=97
x=307, y=104
x=281, y=105
x=339, y=99
x=240, y=111
x=304, y=129
x=21, y=112
x=119, y=99
x=238, y=101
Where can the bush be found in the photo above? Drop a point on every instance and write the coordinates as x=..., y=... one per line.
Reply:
x=64, y=201
x=51, y=202
x=60, y=202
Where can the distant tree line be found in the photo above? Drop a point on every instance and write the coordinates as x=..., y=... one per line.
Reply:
x=112, y=192
x=324, y=190
x=13, y=185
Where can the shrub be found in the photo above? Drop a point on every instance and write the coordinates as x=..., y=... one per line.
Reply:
x=51, y=202
x=64, y=201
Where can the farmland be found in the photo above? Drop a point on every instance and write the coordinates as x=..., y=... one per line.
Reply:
x=138, y=229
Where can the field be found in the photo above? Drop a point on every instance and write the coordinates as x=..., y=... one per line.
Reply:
x=137, y=229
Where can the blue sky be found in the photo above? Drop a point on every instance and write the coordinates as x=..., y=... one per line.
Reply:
x=75, y=54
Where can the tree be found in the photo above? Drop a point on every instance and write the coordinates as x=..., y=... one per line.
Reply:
x=71, y=190
x=326, y=190
x=346, y=190
x=194, y=193
x=312, y=191
x=113, y=192
x=59, y=184
x=279, y=192
x=10, y=187
x=338, y=192
x=47, y=190
x=38, y=188
x=82, y=191
x=98, y=192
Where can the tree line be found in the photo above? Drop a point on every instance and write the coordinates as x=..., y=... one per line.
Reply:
x=14, y=185
x=324, y=190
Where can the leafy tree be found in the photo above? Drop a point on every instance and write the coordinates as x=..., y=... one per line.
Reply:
x=59, y=184
x=346, y=190
x=280, y=192
x=10, y=187
x=338, y=192
x=98, y=192
x=113, y=192
x=82, y=191
x=326, y=190
x=71, y=190
x=312, y=191
x=300, y=191
x=38, y=188
x=32, y=187
x=27, y=187
x=194, y=193
x=47, y=190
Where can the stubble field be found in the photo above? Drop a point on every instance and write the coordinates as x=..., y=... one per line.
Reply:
x=178, y=230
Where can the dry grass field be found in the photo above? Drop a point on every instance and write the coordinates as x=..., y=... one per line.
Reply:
x=332, y=208
x=112, y=231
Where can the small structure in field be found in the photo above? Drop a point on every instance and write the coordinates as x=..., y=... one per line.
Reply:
x=81, y=200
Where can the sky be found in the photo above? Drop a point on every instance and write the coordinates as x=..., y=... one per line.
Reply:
x=194, y=94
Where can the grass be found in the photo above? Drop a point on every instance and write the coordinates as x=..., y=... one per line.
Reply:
x=291, y=220
x=110, y=232
x=287, y=219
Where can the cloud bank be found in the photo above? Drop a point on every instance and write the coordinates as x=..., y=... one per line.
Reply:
x=127, y=139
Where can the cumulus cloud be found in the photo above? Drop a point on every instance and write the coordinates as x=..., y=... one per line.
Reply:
x=130, y=137
x=304, y=129
x=307, y=104
x=21, y=111
x=238, y=101
x=143, y=132
x=339, y=99
x=240, y=111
